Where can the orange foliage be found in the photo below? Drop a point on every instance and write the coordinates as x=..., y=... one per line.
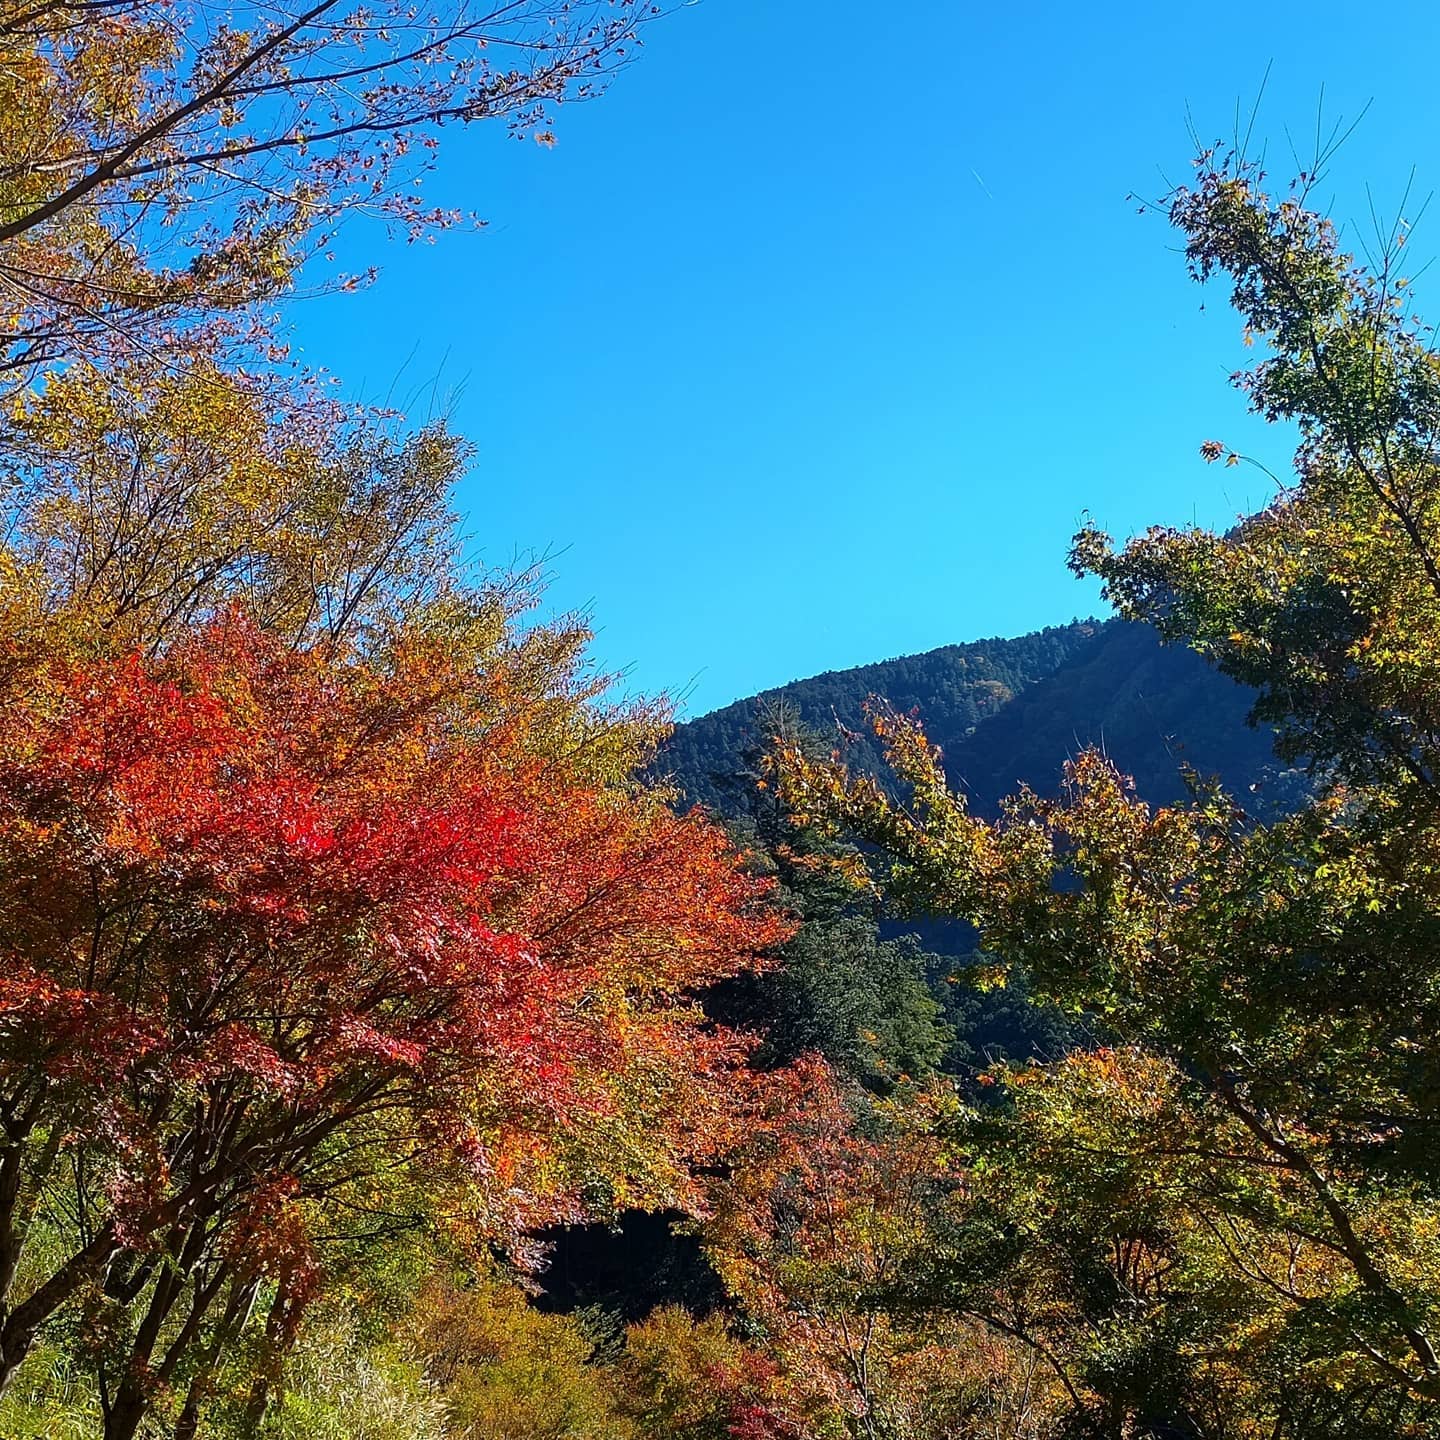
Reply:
x=281, y=923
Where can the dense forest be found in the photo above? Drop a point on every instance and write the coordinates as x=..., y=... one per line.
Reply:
x=1011, y=712
x=402, y=1039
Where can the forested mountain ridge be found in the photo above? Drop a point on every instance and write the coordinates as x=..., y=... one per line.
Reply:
x=1007, y=711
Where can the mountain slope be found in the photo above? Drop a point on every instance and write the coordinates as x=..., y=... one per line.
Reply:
x=1011, y=711
x=954, y=688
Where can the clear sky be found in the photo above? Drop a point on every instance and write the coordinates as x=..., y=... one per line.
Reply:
x=811, y=341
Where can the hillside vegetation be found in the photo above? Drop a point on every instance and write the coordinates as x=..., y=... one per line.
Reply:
x=1010, y=712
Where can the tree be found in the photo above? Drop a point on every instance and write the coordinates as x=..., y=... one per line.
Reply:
x=142, y=502
x=836, y=1208
x=167, y=172
x=836, y=987
x=686, y=1379
x=304, y=945
x=334, y=910
x=1285, y=972
x=508, y=1372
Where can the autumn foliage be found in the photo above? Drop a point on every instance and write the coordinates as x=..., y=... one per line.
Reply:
x=166, y=174
x=1222, y=1210
x=282, y=923
x=344, y=947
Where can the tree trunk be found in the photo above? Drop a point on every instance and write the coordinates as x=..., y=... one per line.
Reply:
x=22, y=1324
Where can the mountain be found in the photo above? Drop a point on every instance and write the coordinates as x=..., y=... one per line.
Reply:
x=1006, y=711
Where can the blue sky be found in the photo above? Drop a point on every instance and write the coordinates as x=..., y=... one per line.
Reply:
x=811, y=341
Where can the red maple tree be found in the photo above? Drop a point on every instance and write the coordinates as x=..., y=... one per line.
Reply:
x=296, y=939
